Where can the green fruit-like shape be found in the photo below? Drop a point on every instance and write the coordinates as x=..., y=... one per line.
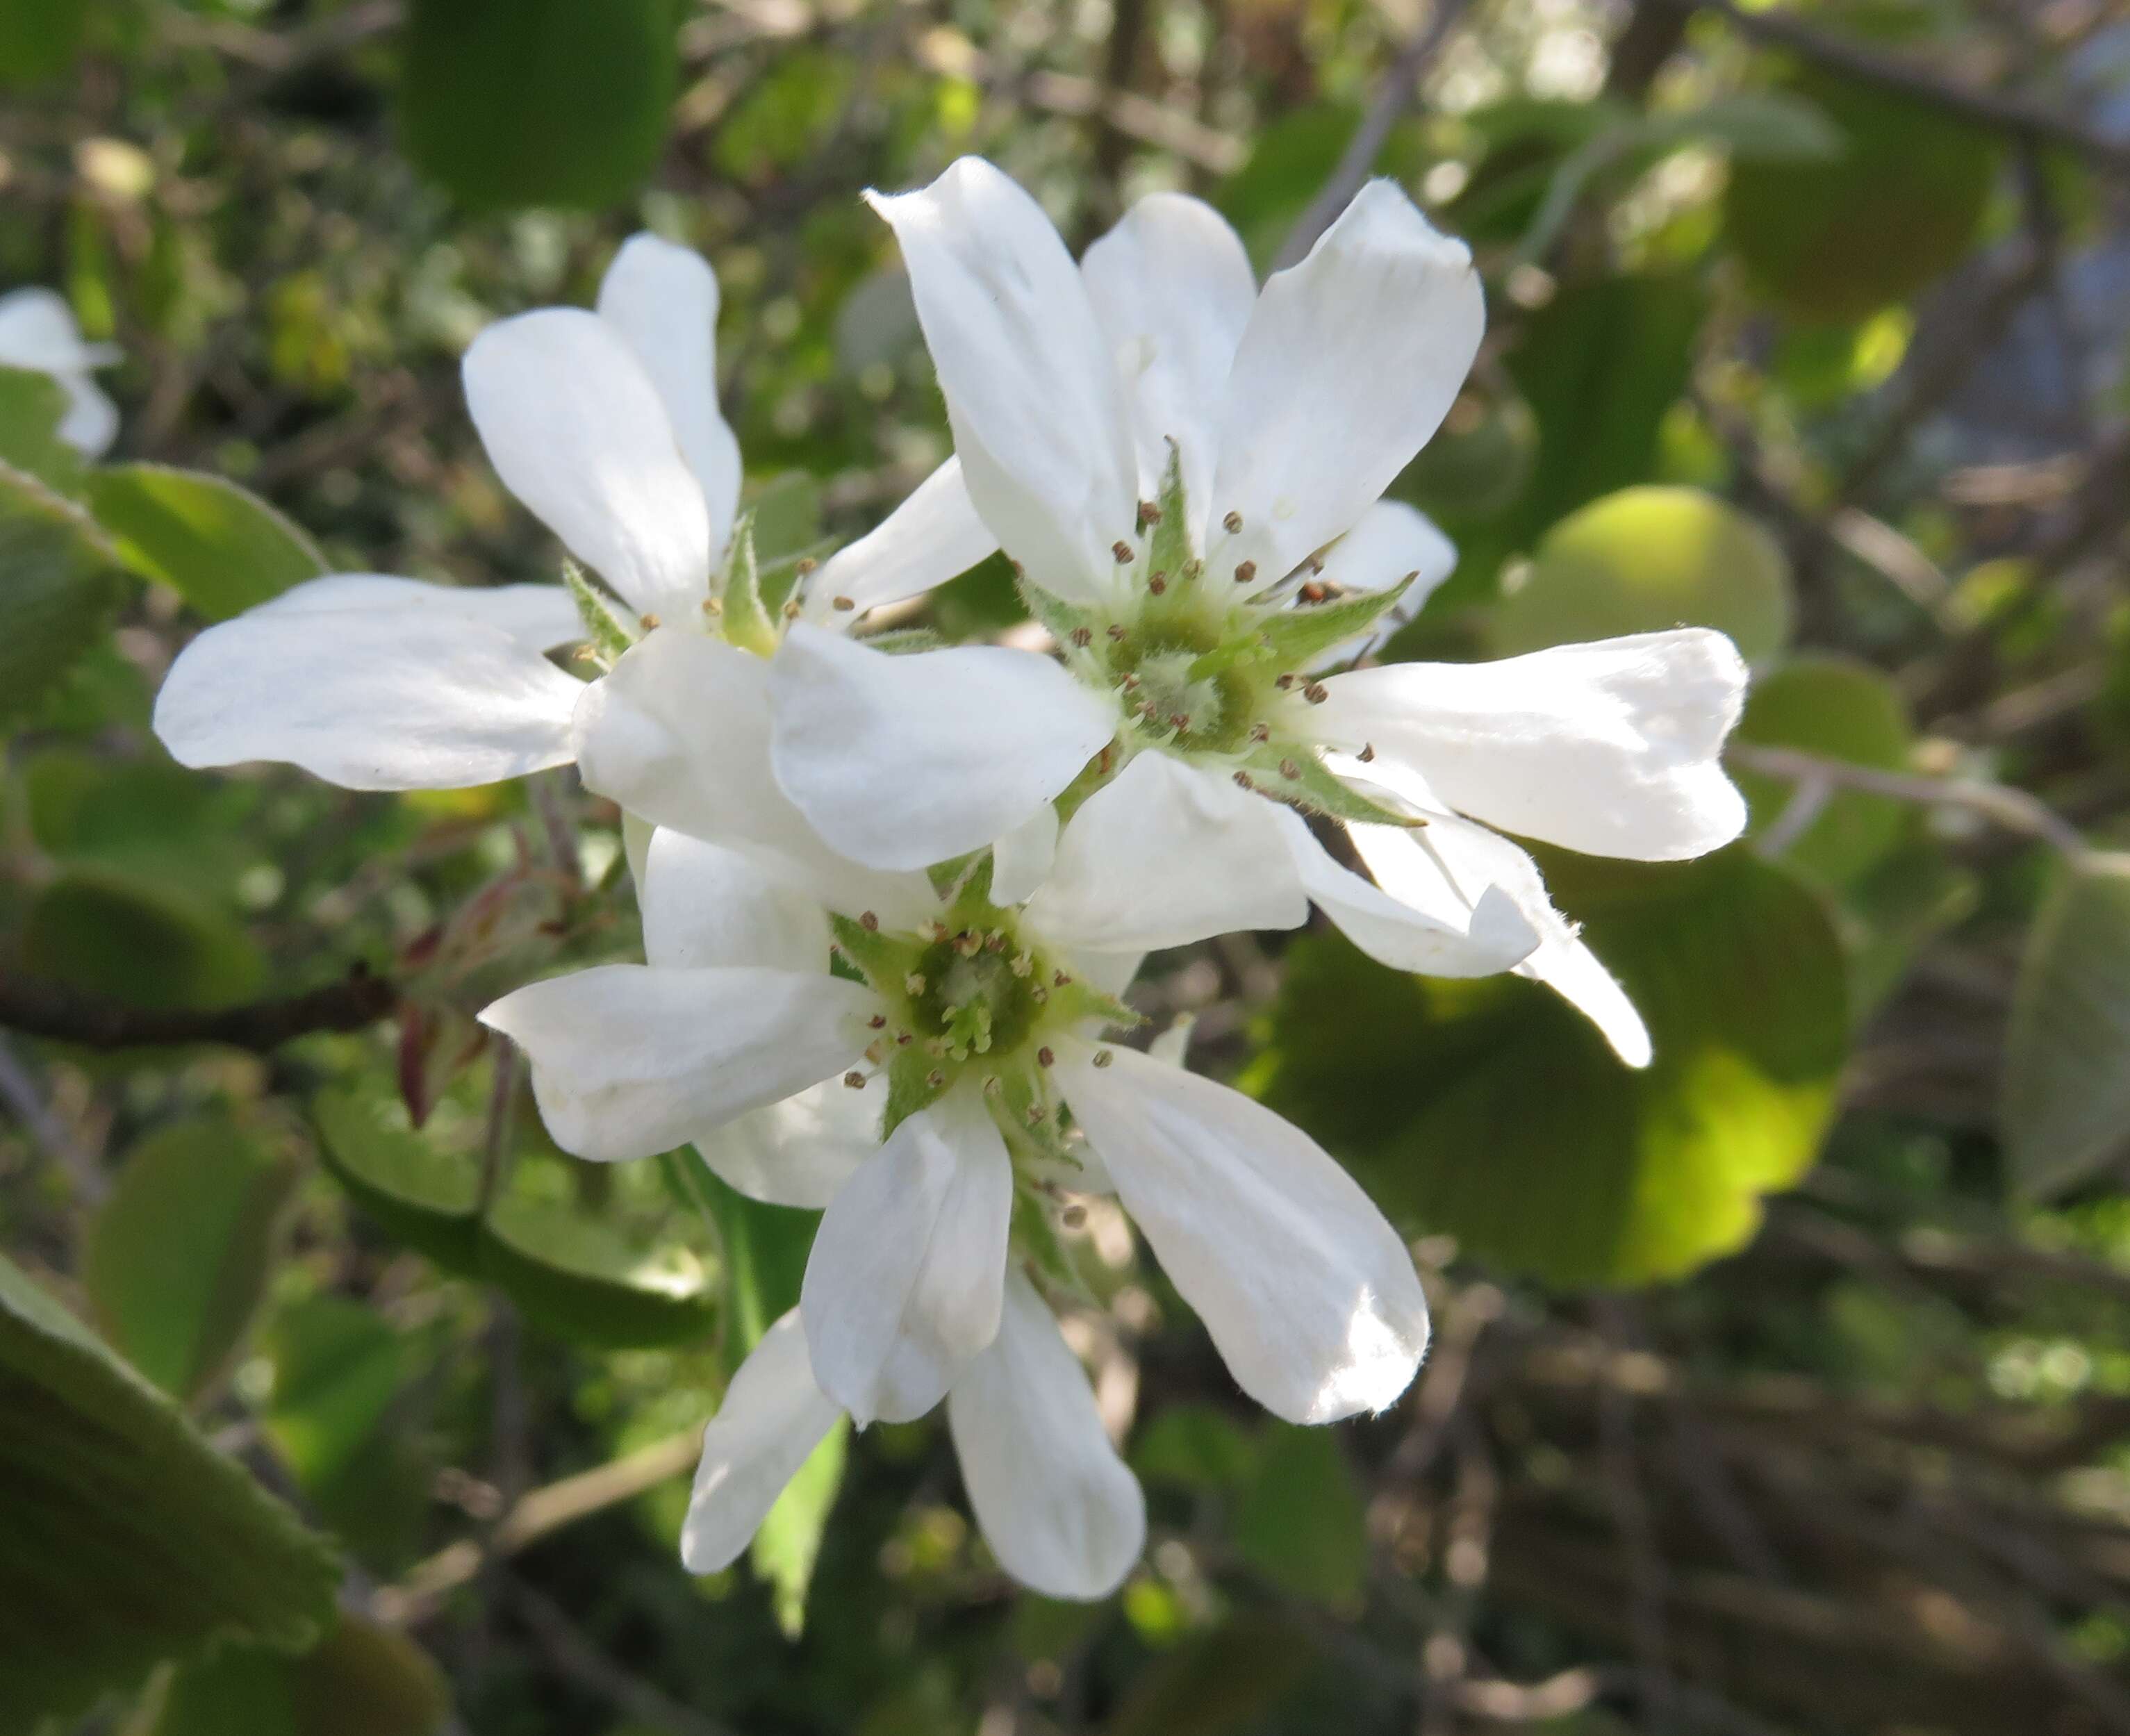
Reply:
x=1841, y=237
x=1644, y=559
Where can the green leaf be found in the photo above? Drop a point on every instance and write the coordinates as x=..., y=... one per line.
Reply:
x=2066, y=1107
x=764, y=1249
x=1837, y=708
x=60, y=584
x=220, y=548
x=32, y=405
x=789, y=1542
x=337, y=1367
x=1302, y=1521
x=1195, y=1446
x=1493, y=1111
x=1759, y=126
x=148, y=944
x=177, y=1256
x=423, y=1195
x=1897, y=206
x=361, y=1680
x=515, y=102
x=41, y=39
x=1644, y=559
x=125, y=1539
x=583, y=1278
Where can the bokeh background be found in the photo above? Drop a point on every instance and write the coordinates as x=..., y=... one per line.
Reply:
x=1784, y=1388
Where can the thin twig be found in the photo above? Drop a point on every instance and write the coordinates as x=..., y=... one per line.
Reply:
x=2013, y=809
x=1400, y=91
x=65, y=1015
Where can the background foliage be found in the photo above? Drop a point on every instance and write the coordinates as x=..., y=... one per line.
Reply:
x=1781, y=1388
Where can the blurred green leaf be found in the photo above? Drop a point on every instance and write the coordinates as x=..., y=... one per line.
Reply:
x=1644, y=559
x=1302, y=1521
x=338, y=1366
x=1493, y=1111
x=764, y=1249
x=789, y=1542
x=420, y=1193
x=142, y=819
x=361, y=1679
x=31, y=407
x=1907, y=898
x=137, y=940
x=515, y=102
x=177, y=1257
x=2065, y=1109
x=125, y=1539
x=60, y=584
x=1895, y=207
x=1229, y=1679
x=1195, y=1446
x=584, y=1278
x=1837, y=708
x=41, y=39
x=220, y=548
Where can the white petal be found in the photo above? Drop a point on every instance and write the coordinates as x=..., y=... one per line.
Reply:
x=1059, y=1508
x=1431, y=928
x=1022, y=860
x=1415, y=866
x=1165, y=854
x=91, y=421
x=629, y=1061
x=1309, y=1295
x=539, y=617
x=577, y=431
x=1391, y=541
x=1172, y=291
x=705, y=905
x=391, y=697
x=902, y=1287
x=1172, y=1047
x=1032, y=394
x=800, y=1151
x=38, y=333
x=1352, y=359
x=772, y=1419
x=900, y=760
x=663, y=301
x=933, y=536
x=679, y=733
x=1613, y=748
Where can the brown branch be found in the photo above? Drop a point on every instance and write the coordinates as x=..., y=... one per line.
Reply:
x=65, y=1015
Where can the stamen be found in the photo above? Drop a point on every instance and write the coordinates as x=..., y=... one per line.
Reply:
x=1368, y=752
x=1247, y=572
x=1081, y=638
x=649, y=623
x=1045, y=1056
x=1243, y=781
x=1103, y=1057
x=868, y=922
x=1123, y=551
x=843, y=605
x=1316, y=693
x=878, y=1021
x=1148, y=515
x=855, y=1079
x=1234, y=522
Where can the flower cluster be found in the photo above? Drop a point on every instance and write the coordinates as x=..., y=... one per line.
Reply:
x=893, y=897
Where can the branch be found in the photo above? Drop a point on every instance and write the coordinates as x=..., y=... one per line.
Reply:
x=63, y=1014
x=1400, y=90
x=2013, y=809
x=2032, y=122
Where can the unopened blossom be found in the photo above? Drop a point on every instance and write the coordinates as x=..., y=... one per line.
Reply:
x=606, y=424
x=1061, y=1511
x=38, y=333
x=1187, y=471
x=964, y=1033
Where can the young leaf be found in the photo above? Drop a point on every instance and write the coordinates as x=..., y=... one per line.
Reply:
x=423, y=1195
x=219, y=547
x=583, y=1279
x=63, y=586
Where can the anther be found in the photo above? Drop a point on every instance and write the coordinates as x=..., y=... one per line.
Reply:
x=1288, y=768
x=805, y=564
x=1074, y=1217
x=843, y=605
x=868, y=922
x=1368, y=752
x=902, y=1038
x=878, y=1021
x=913, y=984
x=1157, y=582
x=649, y=622
x=1059, y=978
x=1045, y=1058
x=1115, y=631
x=1129, y=684
x=855, y=1080
x=712, y=606
x=934, y=931
x=1243, y=781
x=994, y=1087
x=1261, y=731
x=1313, y=593
x=935, y=1079
x=1285, y=683
x=1103, y=1057
x=1039, y=994
x=1123, y=551
x=791, y=611
x=1081, y=638
x=1036, y=1114
x=1180, y=722
x=1316, y=693
x=1247, y=571
x=1233, y=522
x=1149, y=513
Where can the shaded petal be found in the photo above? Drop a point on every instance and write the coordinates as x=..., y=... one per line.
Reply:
x=539, y=617
x=387, y=698
x=1351, y=360
x=663, y=301
x=577, y=431
x=1022, y=860
x=1061, y=1511
x=91, y=421
x=772, y=1419
x=800, y=1151
x=705, y=905
x=1432, y=927
x=38, y=332
x=679, y=733
x=1031, y=392
x=1309, y=1295
x=902, y=1287
x=1173, y=289
x=1475, y=865
x=1164, y=854
x=629, y=1060
x=933, y=536
x=1612, y=748
x=903, y=760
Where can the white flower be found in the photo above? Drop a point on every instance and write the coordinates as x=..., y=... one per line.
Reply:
x=1059, y=1508
x=1187, y=470
x=973, y=1040
x=606, y=425
x=38, y=333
